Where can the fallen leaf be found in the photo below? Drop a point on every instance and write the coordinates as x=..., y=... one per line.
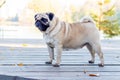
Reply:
x=20, y=64
x=96, y=75
x=24, y=45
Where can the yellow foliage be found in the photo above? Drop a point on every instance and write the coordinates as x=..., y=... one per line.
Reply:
x=107, y=1
x=52, y=6
x=42, y=5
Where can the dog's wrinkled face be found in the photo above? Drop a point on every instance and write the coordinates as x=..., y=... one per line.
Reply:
x=42, y=20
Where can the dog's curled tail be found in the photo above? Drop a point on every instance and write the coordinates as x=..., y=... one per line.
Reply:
x=86, y=19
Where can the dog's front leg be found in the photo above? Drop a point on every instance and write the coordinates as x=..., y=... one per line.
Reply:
x=51, y=55
x=58, y=50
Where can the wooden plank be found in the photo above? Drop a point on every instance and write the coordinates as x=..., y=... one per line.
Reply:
x=60, y=74
x=65, y=75
x=60, y=69
x=41, y=61
x=31, y=50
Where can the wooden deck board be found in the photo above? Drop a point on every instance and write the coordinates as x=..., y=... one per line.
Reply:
x=27, y=60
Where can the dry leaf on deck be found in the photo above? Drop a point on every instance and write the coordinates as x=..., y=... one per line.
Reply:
x=96, y=75
x=20, y=64
x=24, y=45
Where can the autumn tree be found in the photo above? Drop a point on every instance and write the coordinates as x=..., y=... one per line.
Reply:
x=106, y=19
x=43, y=5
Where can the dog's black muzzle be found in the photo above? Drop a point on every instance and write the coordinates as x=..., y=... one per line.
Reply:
x=44, y=21
x=41, y=25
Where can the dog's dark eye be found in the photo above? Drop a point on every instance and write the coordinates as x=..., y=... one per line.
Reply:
x=35, y=19
x=44, y=20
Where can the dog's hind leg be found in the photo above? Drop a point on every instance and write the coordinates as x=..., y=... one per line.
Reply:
x=97, y=49
x=92, y=52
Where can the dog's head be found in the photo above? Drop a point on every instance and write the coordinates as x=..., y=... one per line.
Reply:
x=42, y=20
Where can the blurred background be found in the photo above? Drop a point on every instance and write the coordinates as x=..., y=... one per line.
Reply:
x=17, y=16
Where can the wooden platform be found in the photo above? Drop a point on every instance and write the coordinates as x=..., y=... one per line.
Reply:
x=26, y=57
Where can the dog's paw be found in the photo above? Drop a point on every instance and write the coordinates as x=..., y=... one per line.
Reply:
x=91, y=61
x=101, y=65
x=56, y=65
x=48, y=62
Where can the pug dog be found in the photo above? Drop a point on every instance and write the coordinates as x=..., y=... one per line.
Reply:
x=61, y=35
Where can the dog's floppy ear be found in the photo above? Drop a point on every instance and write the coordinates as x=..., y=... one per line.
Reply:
x=50, y=15
x=35, y=16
